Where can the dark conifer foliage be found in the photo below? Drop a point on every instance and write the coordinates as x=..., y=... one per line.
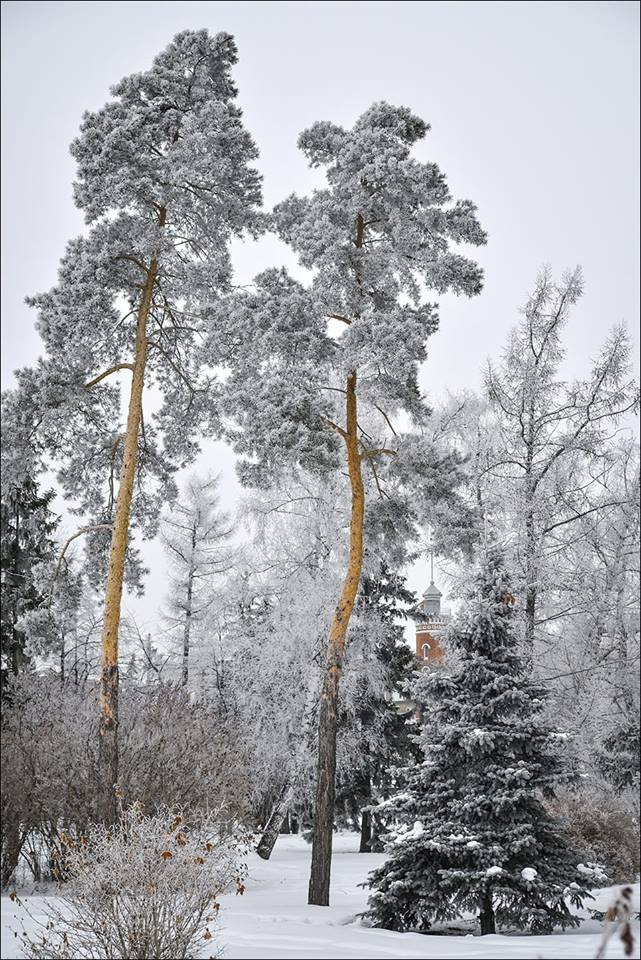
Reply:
x=473, y=833
x=27, y=526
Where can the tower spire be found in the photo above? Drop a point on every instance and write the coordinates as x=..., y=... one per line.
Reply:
x=434, y=623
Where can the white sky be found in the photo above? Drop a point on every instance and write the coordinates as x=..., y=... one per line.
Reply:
x=534, y=110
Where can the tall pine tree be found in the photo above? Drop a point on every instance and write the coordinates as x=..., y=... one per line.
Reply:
x=321, y=376
x=165, y=180
x=474, y=833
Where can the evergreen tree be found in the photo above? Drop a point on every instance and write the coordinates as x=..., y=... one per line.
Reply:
x=381, y=607
x=26, y=529
x=618, y=754
x=165, y=180
x=322, y=374
x=475, y=835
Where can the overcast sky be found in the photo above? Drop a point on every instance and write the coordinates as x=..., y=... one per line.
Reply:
x=534, y=112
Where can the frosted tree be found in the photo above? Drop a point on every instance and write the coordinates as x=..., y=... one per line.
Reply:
x=285, y=596
x=165, y=180
x=270, y=651
x=469, y=422
x=52, y=627
x=195, y=534
x=551, y=433
x=598, y=664
x=320, y=374
x=473, y=833
x=568, y=511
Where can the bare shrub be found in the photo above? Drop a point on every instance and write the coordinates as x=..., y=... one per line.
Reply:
x=146, y=887
x=605, y=827
x=173, y=753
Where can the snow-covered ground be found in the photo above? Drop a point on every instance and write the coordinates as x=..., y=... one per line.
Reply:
x=272, y=919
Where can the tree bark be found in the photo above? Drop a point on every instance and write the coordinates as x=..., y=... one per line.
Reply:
x=531, y=572
x=488, y=923
x=12, y=841
x=108, y=729
x=275, y=822
x=266, y=844
x=188, y=606
x=366, y=832
x=326, y=769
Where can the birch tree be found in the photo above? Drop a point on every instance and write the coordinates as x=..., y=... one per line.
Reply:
x=321, y=373
x=195, y=534
x=164, y=179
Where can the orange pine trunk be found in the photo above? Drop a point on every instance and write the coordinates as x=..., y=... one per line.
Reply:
x=108, y=729
x=328, y=720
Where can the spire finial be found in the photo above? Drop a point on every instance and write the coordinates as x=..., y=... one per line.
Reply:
x=431, y=552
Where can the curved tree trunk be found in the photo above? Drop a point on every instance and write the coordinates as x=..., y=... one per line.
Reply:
x=108, y=729
x=327, y=726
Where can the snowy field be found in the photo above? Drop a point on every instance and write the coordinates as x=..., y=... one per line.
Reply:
x=272, y=920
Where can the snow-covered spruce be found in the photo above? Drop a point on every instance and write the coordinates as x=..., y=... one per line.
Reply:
x=27, y=526
x=473, y=834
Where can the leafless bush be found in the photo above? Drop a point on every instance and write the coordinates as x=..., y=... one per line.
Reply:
x=605, y=827
x=146, y=887
x=173, y=753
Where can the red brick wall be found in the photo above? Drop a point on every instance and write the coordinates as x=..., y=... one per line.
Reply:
x=435, y=653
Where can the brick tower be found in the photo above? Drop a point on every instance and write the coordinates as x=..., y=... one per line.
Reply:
x=433, y=624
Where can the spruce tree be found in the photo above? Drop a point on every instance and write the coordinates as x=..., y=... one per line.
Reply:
x=474, y=834
x=382, y=607
x=27, y=526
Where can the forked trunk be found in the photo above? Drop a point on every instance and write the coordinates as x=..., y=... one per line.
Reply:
x=274, y=824
x=281, y=807
x=108, y=730
x=328, y=718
